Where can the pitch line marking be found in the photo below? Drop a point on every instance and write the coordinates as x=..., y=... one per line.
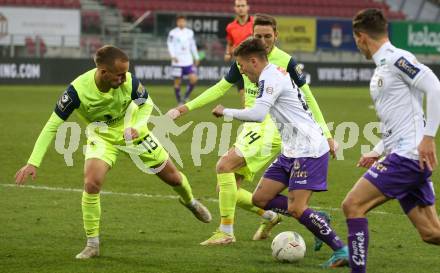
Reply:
x=146, y=195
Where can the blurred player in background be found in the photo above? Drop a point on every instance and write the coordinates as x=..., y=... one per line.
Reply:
x=397, y=89
x=256, y=145
x=184, y=57
x=302, y=165
x=236, y=32
x=104, y=95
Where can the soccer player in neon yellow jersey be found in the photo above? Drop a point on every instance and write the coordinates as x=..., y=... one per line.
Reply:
x=105, y=94
x=256, y=145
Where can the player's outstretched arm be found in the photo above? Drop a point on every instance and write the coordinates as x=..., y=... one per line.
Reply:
x=41, y=145
x=211, y=94
x=22, y=174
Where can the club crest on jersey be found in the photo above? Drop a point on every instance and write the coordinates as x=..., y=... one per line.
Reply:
x=380, y=82
x=269, y=90
x=296, y=165
x=260, y=88
x=407, y=67
x=64, y=101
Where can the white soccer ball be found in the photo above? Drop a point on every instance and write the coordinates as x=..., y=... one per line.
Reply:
x=288, y=246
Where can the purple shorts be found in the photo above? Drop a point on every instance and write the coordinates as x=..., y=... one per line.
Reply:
x=401, y=178
x=180, y=71
x=304, y=173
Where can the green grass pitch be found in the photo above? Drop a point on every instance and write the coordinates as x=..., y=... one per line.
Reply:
x=41, y=228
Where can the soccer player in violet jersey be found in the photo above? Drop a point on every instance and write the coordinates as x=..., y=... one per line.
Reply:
x=397, y=89
x=184, y=57
x=100, y=96
x=257, y=143
x=303, y=163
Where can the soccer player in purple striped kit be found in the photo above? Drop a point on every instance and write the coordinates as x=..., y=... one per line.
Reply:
x=397, y=88
x=302, y=166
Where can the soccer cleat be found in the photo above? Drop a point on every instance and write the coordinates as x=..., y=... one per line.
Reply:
x=199, y=210
x=263, y=232
x=88, y=252
x=318, y=242
x=219, y=238
x=338, y=259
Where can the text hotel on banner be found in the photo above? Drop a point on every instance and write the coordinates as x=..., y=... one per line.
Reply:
x=335, y=34
x=297, y=34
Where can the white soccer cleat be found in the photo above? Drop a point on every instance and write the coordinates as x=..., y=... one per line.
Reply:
x=263, y=232
x=88, y=252
x=219, y=238
x=199, y=210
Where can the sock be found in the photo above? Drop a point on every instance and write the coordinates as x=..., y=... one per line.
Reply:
x=278, y=204
x=227, y=228
x=269, y=215
x=244, y=201
x=320, y=228
x=184, y=190
x=177, y=92
x=189, y=89
x=358, y=244
x=91, y=209
x=93, y=241
x=227, y=197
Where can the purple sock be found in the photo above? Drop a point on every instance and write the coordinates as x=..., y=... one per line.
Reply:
x=189, y=89
x=320, y=228
x=177, y=92
x=278, y=204
x=358, y=244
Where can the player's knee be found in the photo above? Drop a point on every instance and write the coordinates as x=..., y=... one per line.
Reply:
x=295, y=210
x=350, y=207
x=258, y=201
x=174, y=179
x=92, y=184
x=223, y=166
x=431, y=236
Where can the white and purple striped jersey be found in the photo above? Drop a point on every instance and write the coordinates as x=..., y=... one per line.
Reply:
x=397, y=89
x=182, y=46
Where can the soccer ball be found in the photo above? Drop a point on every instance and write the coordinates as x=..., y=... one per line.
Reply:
x=288, y=246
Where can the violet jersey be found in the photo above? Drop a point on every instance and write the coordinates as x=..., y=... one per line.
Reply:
x=182, y=46
x=278, y=95
x=395, y=90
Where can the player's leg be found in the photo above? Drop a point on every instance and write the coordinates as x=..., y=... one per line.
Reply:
x=419, y=206
x=156, y=159
x=177, y=83
x=363, y=197
x=192, y=80
x=427, y=223
x=176, y=72
x=99, y=158
x=227, y=185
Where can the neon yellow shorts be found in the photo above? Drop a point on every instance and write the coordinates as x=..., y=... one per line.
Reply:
x=258, y=143
x=147, y=151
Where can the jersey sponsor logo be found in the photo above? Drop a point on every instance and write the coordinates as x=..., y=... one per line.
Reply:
x=407, y=67
x=380, y=82
x=269, y=90
x=260, y=88
x=64, y=101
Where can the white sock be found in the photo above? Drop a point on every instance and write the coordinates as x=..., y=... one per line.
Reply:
x=192, y=202
x=227, y=228
x=269, y=215
x=93, y=241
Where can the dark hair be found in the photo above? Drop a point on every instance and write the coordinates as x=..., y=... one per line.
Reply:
x=108, y=54
x=180, y=16
x=251, y=46
x=261, y=19
x=370, y=21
